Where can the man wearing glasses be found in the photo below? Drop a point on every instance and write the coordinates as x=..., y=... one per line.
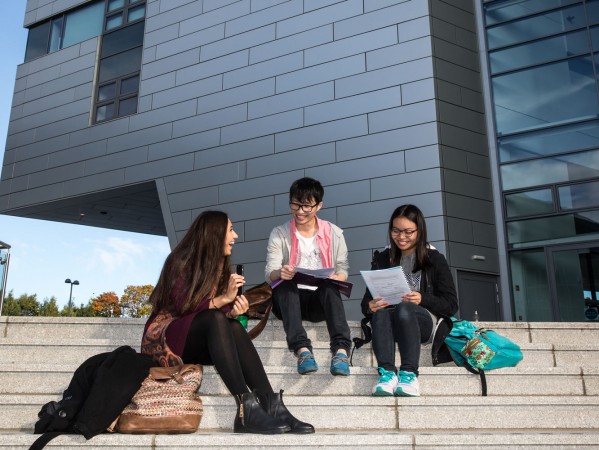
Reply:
x=310, y=243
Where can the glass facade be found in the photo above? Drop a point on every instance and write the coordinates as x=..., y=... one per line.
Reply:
x=544, y=83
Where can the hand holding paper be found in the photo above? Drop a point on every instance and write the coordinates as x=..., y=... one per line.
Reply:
x=388, y=284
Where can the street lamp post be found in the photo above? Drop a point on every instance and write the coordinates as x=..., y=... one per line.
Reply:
x=76, y=283
x=3, y=271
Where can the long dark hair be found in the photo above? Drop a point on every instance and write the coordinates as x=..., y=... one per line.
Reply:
x=195, y=267
x=413, y=214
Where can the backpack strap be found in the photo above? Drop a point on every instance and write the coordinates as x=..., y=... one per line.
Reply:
x=41, y=441
x=360, y=341
x=481, y=374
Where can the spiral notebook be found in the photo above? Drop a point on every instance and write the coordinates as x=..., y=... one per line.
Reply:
x=389, y=284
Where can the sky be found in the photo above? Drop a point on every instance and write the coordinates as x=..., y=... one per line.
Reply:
x=44, y=254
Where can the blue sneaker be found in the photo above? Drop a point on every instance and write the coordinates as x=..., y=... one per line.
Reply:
x=408, y=385
x=340, y=365
x=306, y=363
x=386, y=385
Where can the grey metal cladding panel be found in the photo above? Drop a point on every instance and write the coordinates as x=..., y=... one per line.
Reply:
x=185, y=144
x=116, y=160
x=458, y=75
x=89, y=46
x=291, y=44
x=467, y=6
x=84, y=91
x=321, y=133
x=311, y=5
x=484, y=234
x=215, y=119
x=94, y=183
x=48, y=102
x=161, y=115
x=460, y=230
x=292, y=160
x=211, y=18
x=181, y=93
x=410, y=183
x=461, y=138
x=77, y=153
x=100, y=132
x=19, y=184
x=247, y=209
x=388, y=141
x=478, y=165
x=261, y=228
x=453, y=158
x=237, y=42
x=366, y=238
x=42, y=147
x=378, y=212
x=52, y=59
x=397, y=54
x=351, y=46
x=291, y=100
x=191, y=41
x=261, y=127
x=359, y=169
x=262, y=70
x=35, y=196
x=56, y=114
x=258, y=5
x=181, y=220
x=451, y=14
x=238, y=151
x=392, y=15
x=173, y=16
x=210, y=5
x=265, y=17
x=466, y=184
x=168, y=64
x=256, y=187
x=172, y=4
x=448, y=92
x=347, y=193
x=144, y=103
x=157, y=84
x=138, y=138
x=461, y=257
x=466, y=39
x=422, y=158
x=58, y=85
x=148, y=55
x=62, y=127
x=214, y=67
x=383, y=78
x=43, y=76
x=235, y=96
x=418, y=91
x=253, y=251
x=161, y=35
x=456, y=54
x=461, y=117
x=157, y=169
x=353, y=106
x=373, y=5
x=14, y=140
x=29, y=166
x=197, y=198
x=55, y=175
x=403, y=116
x=467, y=207
x=321, y=73
x=4, y=190
x=76, y=65
x=319, y=17
x=360, y=260
x=202, y=178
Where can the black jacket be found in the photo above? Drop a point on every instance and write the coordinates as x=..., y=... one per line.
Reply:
x=438, y=296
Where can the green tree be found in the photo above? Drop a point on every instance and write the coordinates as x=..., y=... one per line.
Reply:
x=135, y=301
x=29, y=305
x=11, y=306
x=106, y=305
x=78, y=311
x=49, y=308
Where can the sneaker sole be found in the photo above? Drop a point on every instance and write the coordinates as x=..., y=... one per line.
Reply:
x=339, y=374
x=405, y=394
x=382, y=394
x=306, y=372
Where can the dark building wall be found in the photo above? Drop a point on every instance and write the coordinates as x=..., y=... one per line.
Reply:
x=240, y=98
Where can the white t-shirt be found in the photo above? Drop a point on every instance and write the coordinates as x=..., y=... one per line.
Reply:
x=309, y=256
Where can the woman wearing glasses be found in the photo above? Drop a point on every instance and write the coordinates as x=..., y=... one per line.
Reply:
x=310, y=243
x=411, y=322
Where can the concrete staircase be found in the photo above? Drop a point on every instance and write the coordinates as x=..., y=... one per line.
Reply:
x=551, y=400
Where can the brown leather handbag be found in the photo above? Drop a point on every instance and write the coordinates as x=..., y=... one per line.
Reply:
x=166, y=403
x=260, y=301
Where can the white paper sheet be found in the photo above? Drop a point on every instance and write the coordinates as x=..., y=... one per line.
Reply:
x=389, y=284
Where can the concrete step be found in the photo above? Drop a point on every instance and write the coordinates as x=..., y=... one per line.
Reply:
x=514, y=413
x=120, y=329
x=341, y=440
x=24, y=379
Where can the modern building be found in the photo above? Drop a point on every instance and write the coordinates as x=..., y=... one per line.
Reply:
x=139, y=114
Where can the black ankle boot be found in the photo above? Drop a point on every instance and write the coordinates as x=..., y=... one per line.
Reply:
x=252, y=418
x=274, y=406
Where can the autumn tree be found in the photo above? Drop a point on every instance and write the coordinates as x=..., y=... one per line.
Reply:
x=106, y=305
x=135, y=301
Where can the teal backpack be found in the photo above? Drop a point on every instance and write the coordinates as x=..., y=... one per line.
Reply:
x=480, y=349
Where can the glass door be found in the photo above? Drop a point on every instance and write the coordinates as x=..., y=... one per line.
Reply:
x=574, y=278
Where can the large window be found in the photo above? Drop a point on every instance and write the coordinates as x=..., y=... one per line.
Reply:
x=65, y=30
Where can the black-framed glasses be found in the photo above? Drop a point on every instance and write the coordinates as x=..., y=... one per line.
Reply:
x=305, y=208
x=406, y=233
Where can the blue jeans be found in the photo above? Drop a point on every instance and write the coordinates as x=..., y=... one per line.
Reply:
x=409, y=325
x=292, y=305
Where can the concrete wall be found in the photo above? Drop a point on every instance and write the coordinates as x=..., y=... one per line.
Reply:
x=378, y=99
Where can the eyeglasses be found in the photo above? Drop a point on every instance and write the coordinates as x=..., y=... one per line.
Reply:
x=406, y=233
x=305, y=208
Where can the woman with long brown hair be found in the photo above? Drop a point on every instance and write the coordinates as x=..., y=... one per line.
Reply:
x=197, y=288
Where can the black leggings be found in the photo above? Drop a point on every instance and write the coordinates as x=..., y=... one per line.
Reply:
x=214, y=340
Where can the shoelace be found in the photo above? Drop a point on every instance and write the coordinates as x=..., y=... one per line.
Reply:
x=385, y=377
x=301, y=359
x=406, y=377
x=339, y=359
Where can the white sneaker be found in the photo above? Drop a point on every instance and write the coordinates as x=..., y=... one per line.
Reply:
x=386, y=385
x=408, y=385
